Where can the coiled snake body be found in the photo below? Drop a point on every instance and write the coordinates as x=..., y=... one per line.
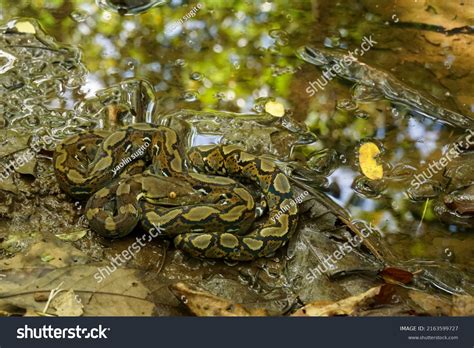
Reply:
x=141, y=174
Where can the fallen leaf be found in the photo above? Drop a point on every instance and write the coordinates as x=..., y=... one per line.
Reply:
x=67, y=304
x=204, y=304
x=72, y=237
x=347, y=306
x=119, y=294
x=432, y=305
x=25, y=27
x=275, y=109
x=46, y=257
x=28, y=167
x=386, y=294
x=8, y=185
x=463, y=305
x=8, y=310
x=368, y=153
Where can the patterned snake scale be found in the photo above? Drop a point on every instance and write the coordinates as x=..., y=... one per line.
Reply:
x=142, y=174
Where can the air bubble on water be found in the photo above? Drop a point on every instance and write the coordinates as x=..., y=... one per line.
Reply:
x=368, y=188
x=219, y=96
x=242, y=42
x=343, y=32
x=323, y=162
x=259, y=105
x=332, y=42
x=361, y=114
x=218, y=48
x=279, y=70
x=180, y=62
x=79, y=16
x=395, y=112
x=280, y=36
x=395, y=299
x=43, y=74
x=346, y=105
x=32, y=120
x=131, y=63
x=448, y=254
x=190, y=96
x=196, y=76
x=366, y=93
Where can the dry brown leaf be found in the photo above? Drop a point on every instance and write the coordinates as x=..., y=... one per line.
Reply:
x=463, y=305
x=432, y=305
x=347, y=306
x=396, y=275
x=204, y=304
x=368, y=153
x=67, y=304
x=458, y=305
x=119, y=294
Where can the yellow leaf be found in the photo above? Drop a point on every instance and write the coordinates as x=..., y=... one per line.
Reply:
x=275, y=109
x=368, y=163
x=25, y=27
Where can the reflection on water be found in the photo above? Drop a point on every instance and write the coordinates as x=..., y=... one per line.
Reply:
x=236, y=58
x=129, y=7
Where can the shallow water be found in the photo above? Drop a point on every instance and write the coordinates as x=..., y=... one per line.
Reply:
x=236, y=55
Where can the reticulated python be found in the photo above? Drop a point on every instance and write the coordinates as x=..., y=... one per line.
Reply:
x=141, y=174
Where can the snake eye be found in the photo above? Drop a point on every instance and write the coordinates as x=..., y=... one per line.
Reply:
x=172, y=195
